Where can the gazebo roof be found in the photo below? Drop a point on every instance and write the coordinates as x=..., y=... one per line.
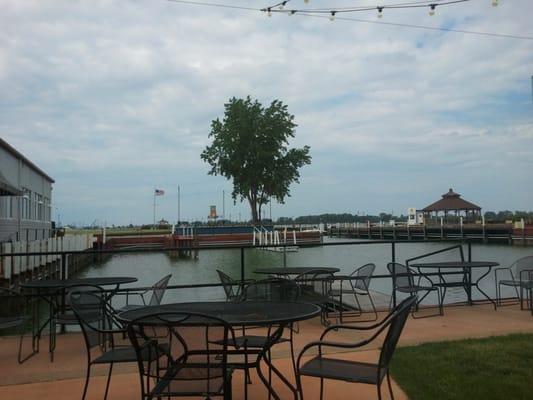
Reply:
x=451, y=201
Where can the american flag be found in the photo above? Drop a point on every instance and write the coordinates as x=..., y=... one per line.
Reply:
x=159, y=192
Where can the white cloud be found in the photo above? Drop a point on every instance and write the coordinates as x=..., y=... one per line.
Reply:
x=114, y=97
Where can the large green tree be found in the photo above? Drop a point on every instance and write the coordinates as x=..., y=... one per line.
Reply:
x=250, y=147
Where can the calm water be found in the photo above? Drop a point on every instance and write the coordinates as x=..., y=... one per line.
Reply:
x=149, y=267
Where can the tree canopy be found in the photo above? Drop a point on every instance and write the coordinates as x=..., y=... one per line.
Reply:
x=250, y=146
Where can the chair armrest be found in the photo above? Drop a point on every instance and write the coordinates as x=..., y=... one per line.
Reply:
x=501, y=269
x=529, y=273
x=127, y=294
x=379, y=324
x=342, y=345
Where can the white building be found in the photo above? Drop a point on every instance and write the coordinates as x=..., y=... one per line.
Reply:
x=25, y=197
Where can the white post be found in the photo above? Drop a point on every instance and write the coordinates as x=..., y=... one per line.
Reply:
x=104, y=233
x=253, y=237
x=294, y=237
x=173, y=229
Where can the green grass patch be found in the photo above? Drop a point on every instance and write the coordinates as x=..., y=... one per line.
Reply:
x=494, y=368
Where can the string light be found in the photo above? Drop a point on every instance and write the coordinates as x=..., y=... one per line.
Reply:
x=309, y=13
x=432, y=9
x=494, y=3
x=332, y=17
x=292, y=12
x=380, y=12
x=269, y=12
x=282, y=5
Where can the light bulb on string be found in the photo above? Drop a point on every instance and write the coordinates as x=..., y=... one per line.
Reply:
x=292, y=12
x=269, y=12
x=494, y=3
x=432, y=9
x=306, y=1
x=380, y=12
x=332, y=17
x=282, y=5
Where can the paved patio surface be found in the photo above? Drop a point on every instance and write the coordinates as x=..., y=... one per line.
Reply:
x=41, y=379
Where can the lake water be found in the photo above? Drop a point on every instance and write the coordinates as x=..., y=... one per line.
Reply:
x=150, y=267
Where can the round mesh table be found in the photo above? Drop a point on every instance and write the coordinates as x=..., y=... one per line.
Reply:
x=54, y=284
x=53, y=292
x=294, y=270
x=465, y=267
x=250, y=313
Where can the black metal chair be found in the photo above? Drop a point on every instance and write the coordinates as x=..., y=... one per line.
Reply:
x=315, y=287
x=266, y=290
x=14, y=316
x=354, y=285
x=188, y=355
x=324, y=367
x=99, y=325
x=403, y=279
x=158, y=290
x=521, y=273
x=232, y=288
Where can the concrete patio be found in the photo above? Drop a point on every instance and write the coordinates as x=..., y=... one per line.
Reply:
x=38, y=378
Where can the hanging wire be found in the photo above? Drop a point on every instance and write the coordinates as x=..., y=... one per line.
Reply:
x=350, y=19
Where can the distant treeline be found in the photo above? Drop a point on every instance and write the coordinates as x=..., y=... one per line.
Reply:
x=335, y=218
x=502, y=216
x=490, y=216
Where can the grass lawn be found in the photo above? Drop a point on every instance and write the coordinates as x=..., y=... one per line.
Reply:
x=494, y=368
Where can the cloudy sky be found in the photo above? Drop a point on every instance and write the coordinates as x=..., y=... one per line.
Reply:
x=114, y=98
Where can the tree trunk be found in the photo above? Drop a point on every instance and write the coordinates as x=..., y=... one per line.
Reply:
x=253, y=207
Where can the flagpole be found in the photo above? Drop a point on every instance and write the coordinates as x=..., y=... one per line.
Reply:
x=154, y=208
x=179, y=205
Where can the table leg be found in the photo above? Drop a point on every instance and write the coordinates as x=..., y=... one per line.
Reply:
x=264, y=356
x=476, y=284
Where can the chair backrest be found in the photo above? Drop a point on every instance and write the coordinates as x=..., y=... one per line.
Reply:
x=365, y=274
x=158, y=290
x=94, y=315
x=397, y=320
x=405, y=280
x=272, y=289
x=227, y=285
x=184, y=352
x=315, y=280
x=523, y=264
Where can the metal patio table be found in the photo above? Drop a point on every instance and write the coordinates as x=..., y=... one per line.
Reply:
x=283, y=271
x=466, y=267
x=249, y=313
x=49, y=289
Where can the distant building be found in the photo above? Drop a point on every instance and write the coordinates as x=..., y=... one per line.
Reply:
x=452, y=205
x=25, y=198
x=414, y=216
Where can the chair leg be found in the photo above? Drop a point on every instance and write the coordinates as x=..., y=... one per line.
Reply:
x=379, y=390
x=86, y=381
x=299, y=386
x=390, y=386
x=269, y=374
x=321, y=388
x=292, y=351
x=373, y=307
x=108, y=380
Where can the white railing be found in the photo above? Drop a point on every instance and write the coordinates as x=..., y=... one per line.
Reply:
x=14, y=265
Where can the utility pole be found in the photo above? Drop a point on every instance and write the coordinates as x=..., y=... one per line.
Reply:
x=179, y=218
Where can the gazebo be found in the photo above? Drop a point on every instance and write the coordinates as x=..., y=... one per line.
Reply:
x=452, y=204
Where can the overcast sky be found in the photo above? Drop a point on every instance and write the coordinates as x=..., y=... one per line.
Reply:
x=115, y=98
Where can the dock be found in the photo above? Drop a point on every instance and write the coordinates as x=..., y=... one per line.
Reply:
x=488, y=233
